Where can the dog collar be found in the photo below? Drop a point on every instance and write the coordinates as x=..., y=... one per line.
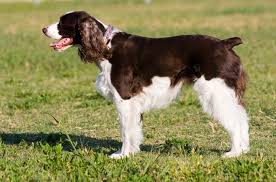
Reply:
x=108, y=35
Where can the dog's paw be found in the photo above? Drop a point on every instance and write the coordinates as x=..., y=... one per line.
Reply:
x=245, y=148
x=231, y=154
x=118, y=155
x=235, y=153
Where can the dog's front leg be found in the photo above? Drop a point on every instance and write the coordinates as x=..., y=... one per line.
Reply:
x=131, y=128
x=102, y=86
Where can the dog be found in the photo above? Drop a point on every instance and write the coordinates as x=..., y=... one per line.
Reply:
x=140, y=73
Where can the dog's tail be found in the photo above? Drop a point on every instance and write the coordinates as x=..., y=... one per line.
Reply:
x=231, y=42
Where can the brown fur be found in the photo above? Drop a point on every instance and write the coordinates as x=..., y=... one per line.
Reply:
x=241, y=86
x=93, y=48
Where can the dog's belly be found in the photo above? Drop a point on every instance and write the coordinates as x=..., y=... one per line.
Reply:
x=157, y=95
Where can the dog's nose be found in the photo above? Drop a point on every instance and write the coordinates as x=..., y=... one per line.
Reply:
x=44, y=30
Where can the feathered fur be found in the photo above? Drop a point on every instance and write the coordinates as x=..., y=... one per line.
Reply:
x=92, y=47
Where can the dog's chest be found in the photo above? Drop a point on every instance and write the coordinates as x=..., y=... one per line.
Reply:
x=157, y=95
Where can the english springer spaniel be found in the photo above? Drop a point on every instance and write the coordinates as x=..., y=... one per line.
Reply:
x=140, y=73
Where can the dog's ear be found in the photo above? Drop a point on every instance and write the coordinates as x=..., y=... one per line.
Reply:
x=93, y=47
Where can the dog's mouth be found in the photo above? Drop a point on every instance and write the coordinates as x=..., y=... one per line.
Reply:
x=62, y=44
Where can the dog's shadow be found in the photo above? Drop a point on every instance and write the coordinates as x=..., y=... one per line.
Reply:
x=72, y=142
x=69, y=142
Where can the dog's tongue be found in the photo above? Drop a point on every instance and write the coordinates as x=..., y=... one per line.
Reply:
x=61, y=43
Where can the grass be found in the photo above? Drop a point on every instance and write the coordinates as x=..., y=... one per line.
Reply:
x=55, y=127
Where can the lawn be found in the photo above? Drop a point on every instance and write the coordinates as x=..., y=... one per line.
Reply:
x=55, y=127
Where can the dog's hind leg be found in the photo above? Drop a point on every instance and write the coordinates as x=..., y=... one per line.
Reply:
x=130, y=127
x=221, y=102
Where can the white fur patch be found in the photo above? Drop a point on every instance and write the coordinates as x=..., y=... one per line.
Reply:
x=220, y=102
x=103, y=81
x=52, y=31
x=159, y=94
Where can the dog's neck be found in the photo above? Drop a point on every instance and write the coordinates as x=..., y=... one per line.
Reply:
x=113, y=37
x=103, y=27
x=108, y=30
x=109, y=34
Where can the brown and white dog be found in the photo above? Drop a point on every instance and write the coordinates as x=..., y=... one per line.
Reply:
x=140, y=73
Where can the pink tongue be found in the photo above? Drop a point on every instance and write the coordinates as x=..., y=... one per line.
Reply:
x=62, y=43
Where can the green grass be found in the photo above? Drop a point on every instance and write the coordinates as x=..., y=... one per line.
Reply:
x=54, y=126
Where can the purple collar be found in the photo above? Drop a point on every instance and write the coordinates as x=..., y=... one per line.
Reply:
x=108, y=35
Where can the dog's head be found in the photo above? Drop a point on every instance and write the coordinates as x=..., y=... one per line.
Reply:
x=80, y=29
